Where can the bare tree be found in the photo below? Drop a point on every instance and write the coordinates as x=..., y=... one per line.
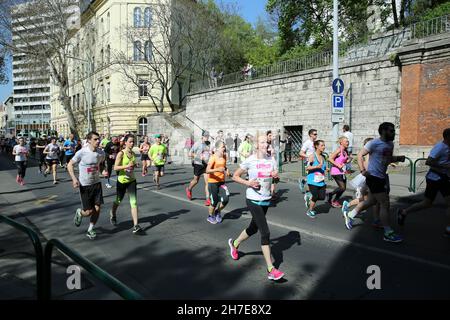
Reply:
x=43, y=29
x=177, y=44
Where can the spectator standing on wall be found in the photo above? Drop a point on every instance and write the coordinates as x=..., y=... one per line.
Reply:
x=349, y=136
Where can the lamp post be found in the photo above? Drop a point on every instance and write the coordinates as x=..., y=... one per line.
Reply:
x=335, y=125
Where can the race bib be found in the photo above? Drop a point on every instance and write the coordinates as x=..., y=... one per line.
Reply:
x=319, y=177
x=265, y=184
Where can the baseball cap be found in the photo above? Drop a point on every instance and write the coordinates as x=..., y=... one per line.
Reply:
x=157, y=136
x=205, y=134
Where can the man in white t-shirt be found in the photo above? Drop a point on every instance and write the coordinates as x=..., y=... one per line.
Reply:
x=438, y=180
x=381, y=155
x=349, y=136
x=307, y=150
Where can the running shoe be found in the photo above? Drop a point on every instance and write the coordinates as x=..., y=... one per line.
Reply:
x=233, y=250
x=55, y=182
x=22, y=183
x=348, y=221
x=345, y=207
x=78, y=218
x=336, y=204
x=91, y=234
x=219, y=218
x=137, y=228
x=207, y=202
x=401, y=217
x=377, y=224
x=188, y=194
x=307, y=199
x=18, y=179
x=107, y=185
x=275, y=274
x=211, y=220
x=392, y=237
x=311, y=214
x=112, y=218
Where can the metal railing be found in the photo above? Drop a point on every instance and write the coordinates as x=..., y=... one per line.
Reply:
x=413, y=172
x=417, y=30
x=110, y=281
x=37, y=249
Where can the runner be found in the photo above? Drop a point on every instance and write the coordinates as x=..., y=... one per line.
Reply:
x=21, y=151
x=69, y=147
x=381, y=155
x=61, y=154
x=339, y=159
x=143, y=148
x=91, y=193
x=271, y=153
x=200, y=153
x=112, y=148
x=218, y=191
x=126, y=182
x=245, y=149
x=52, y=157
x=316, y=168
x=307, y=150
x=158, y=155
x=41, y=144
x=261, y=170
x=438, y=180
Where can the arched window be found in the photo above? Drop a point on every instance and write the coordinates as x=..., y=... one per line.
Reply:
x=137, y=17
x=107, y=22
x=137, y=51
x=148, y=51
x=147, y=17
x=143, y=129
x=108, y=54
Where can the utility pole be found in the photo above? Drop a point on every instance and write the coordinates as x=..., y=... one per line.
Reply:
x=335, y=125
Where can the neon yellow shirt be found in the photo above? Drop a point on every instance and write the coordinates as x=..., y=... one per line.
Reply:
x=158, y=153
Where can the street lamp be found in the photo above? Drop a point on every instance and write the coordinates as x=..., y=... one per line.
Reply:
x=335, y=125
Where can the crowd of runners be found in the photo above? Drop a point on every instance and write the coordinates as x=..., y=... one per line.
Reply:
x=99, y=156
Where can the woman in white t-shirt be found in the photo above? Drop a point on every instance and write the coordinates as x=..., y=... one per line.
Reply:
x=20, y=151
x=52, y=152
x=261, y=170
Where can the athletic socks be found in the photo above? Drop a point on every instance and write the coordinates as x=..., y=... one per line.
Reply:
x=352, y=214
x=235, y=244
x=387, y=230
x=91, y=226
x=270, y=269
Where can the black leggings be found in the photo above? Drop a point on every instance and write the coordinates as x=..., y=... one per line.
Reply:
x=258, y=222
x=217, y=194
x=342, y=185
x=21, y=168
x=109, y=166
x=318, y=193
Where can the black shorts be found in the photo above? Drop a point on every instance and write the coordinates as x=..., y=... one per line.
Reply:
x=433, y=187
x=52, y=161
x=69, y=157
x=158, y=168
x=318, y=193
x=378, y=185
x=91, y=196
x=144, y=157
x=199, y=169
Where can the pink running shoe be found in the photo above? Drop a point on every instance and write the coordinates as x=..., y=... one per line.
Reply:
x=275, y=274
x=188, y=194
x=233, y=251
x=18, y=179
x=336, y=204
x=22, y=183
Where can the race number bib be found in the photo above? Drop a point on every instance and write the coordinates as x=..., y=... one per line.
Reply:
x=319, y=177
x=265, y=184
x=91, y=172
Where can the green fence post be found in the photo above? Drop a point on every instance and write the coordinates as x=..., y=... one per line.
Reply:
x=414, y=171
x=411, y=174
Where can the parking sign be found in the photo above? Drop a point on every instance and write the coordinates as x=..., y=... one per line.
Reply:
x=337, y=103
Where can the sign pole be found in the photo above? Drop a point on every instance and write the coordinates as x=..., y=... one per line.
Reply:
x=335, y=125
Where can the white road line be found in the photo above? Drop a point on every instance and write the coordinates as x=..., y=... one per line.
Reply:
x=342, y=242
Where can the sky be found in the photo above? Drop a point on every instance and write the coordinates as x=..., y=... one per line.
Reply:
x=250, y=10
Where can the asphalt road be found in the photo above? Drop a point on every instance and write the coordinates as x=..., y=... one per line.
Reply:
x=182, y=256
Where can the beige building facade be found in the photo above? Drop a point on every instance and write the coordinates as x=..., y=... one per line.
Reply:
x=102, y=97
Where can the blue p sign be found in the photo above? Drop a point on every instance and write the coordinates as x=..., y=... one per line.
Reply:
x=337, y=103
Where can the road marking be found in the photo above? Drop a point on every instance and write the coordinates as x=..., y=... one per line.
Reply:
x=46, y=200
x=342, y=242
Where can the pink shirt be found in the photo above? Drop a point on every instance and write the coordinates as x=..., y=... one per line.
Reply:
x=341, y=159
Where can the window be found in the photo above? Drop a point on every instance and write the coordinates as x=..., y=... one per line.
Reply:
x=147, y=17
x=137, y=17
x=148, y=51
x=101, y=58
x=108, y=92
x=137, y=51
x=143, y=128
x=102, y=94
x=78, y=101
x=93, y=65
x=143, y=88
x=107, y=21
x=102, y=29
x=108, y=54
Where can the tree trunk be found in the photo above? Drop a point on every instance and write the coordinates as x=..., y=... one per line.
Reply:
x=65, y=100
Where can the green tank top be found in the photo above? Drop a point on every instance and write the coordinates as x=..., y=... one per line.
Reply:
x=126, y=176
